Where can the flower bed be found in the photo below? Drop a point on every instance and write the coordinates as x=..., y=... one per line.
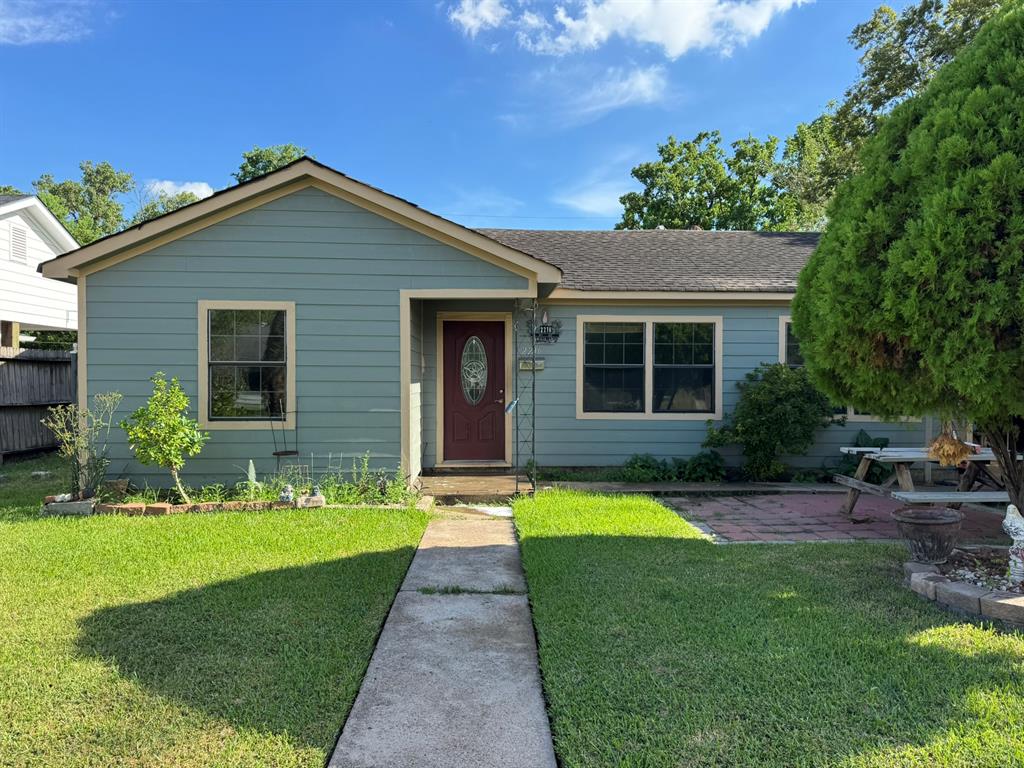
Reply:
x=972, y=582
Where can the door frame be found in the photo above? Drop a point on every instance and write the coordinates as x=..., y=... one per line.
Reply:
x=506, y=318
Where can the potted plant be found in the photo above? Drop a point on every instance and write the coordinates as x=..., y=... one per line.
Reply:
x=930, y=533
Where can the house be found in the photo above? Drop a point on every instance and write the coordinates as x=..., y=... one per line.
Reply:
x=307, y=310
x=30, y=235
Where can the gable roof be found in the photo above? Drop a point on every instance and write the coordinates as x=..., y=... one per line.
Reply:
x=49, y=225
x=668, y=260
x=300, y=174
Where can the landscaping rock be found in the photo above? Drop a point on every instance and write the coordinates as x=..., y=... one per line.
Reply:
x=67, y=508
x=923, y=583
x=41, y=473
x=304, y=502
x=158, y=508
x=134, y=508
x=425, y=503
x=964, y=597
x=1005, y=606
x=911, y=567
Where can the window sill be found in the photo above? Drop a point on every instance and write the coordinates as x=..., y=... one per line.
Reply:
x=711, y=416
x=287, y=424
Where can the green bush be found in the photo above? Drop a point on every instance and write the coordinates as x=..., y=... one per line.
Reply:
x=645, y=468
x=778, y=412
x=706, y=467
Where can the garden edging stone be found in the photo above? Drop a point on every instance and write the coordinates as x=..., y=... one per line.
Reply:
x=975, y=601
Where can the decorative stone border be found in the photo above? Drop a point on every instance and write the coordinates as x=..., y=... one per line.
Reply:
x=82, y=508
x=928, y=583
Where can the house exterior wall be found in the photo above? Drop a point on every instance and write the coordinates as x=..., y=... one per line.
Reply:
x=750, y=337
x=26, y=296
x=343, y=267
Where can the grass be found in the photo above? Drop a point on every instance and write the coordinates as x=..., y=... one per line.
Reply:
x=232, y=639
x=659, y=648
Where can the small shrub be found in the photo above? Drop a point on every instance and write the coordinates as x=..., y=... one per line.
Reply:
x=706, y=467
x=644, y=468
x=810, y=475
x=82, y=439
x=778, y=412
x=161, y=432
x=215, y=493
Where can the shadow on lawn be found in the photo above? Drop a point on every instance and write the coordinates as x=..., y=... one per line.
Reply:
x=282, y=651
x=759, y=655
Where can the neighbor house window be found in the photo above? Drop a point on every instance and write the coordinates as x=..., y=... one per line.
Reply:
x=648, y=367
x=247, y=350
x=613, y=367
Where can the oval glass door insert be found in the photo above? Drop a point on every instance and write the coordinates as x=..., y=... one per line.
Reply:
x=473, y=370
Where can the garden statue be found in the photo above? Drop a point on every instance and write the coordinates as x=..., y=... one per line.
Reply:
x=1013, y=524
x=287, y=494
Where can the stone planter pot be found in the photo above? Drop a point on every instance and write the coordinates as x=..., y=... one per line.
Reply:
x=929, y=532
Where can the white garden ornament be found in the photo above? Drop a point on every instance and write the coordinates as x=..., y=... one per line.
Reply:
x=1013, y=524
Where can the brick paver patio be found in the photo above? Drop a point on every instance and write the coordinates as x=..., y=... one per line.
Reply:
x=811, y=517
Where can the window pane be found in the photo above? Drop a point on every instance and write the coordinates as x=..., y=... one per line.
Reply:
x=273, y=349
x=222, y=322
x=247, y=391
x=247, y=322
x=684, y=390
x=272, y=382
x=222, y=348
x=684, y=343
x=793, y=356
x=613, y=390
x=614, y=343
x=247, y=349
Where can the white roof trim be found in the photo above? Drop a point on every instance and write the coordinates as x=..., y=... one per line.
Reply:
x=33, y=207
x=300, y=174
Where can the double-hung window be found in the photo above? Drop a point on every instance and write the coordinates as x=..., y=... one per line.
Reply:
x=613, y=368
x=247, y=369
x=649, y=367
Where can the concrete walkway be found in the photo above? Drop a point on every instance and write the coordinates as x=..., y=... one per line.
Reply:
x=454, y=679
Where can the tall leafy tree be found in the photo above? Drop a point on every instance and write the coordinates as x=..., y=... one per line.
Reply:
x=900, y=54
x=88, y=208
x=157, y=205
x=260, y=161
x=7, y=189
x=698, y=184
x=912, y=302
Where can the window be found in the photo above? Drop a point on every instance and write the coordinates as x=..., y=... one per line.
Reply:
x=613, y=368
x=247, y=376
x=789, y=353
x=648, y=367
x=684, y=368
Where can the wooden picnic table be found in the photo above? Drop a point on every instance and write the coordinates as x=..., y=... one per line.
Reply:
x=900, y=460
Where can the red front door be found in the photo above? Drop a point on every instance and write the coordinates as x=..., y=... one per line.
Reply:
x=474, y=390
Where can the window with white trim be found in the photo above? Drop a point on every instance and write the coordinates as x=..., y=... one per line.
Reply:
x=613, y=367
x=247, y=362
x=649, y=367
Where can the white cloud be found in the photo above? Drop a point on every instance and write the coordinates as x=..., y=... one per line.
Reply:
x=166, y=187
x=672, y=25
x=595, y=198
x=615, y=89
x=476, y=15
x=26, y=22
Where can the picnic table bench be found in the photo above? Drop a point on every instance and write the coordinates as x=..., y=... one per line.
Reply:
x=901, y=459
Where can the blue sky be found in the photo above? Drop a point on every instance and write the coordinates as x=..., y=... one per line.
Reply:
x=491, y=112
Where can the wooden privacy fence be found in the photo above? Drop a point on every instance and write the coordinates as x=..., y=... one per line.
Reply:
x=32, y=380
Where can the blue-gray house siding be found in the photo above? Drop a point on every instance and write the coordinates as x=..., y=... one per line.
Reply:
x=344, y=269
x=342, y=266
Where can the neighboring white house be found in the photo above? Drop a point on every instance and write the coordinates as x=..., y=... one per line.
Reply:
x=30, y=234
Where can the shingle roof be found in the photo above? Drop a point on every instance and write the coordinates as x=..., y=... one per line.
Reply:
x=667, y=259
x=5, y=199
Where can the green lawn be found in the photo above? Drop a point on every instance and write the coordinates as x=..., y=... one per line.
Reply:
x=215, y=640
x=660, y=649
